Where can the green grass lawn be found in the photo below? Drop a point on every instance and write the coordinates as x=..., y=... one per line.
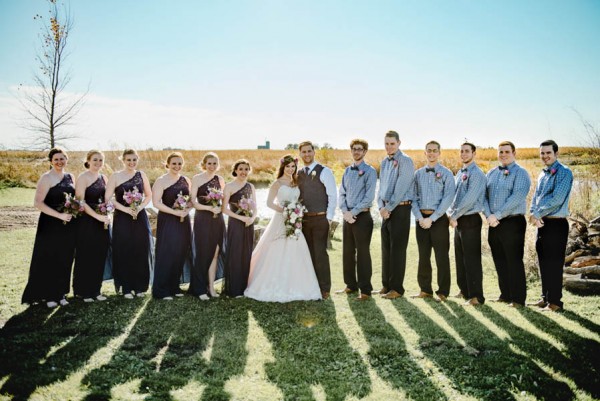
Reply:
x=241, y=349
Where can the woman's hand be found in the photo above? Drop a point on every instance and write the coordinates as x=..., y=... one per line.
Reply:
x=66, y=217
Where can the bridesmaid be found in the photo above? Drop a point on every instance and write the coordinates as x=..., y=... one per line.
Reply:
x=131, y=240
x=240, y=228
x=54, y=246
x=92, y=238
x=173, y=231
x=209, y=228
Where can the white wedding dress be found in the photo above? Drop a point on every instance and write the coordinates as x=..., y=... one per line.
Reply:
x=281, y=269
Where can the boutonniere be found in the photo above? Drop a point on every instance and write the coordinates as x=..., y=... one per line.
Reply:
x=553, y=171
x=464, y=177
x=313, y=174
x=505, y=172
x=438, y=175
x=395, y=163
x=361, y=173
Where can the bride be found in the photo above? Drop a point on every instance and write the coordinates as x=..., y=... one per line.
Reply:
x=281, y=269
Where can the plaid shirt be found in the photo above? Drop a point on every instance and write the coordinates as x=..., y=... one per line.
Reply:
x=357, y=189
x=395, y=181
x=470, y=192
x=551, y=197
x=506, y=191
x=433, y=190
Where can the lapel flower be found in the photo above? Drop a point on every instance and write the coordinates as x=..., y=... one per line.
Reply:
x=361, y=173
x=395, y=163
x=553, y=171
x=313, y=174
x=438, y=175
x=464, y=177
x=505, y=172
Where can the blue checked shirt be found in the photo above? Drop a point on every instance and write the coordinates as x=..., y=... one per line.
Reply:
x=506, y=191
x=470, y=192
x=433, y=190
x=551, y=197
x=357, y=190
x=395, y=181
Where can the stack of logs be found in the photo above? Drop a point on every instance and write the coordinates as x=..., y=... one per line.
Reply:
x=582, y=262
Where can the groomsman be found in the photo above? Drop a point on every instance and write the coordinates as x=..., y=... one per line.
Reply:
x=504, y=207
x=433, y=193
x=549, y=211
x=394, y=200
x=464, y=217
x=356, y=196
x=319, y=194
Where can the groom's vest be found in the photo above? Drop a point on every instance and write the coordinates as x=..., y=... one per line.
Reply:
x=312, y=190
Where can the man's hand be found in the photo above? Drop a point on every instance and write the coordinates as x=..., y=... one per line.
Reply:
x=493, y=220
x=425, y=223
x=348, y=217
x=453, y=223
x=384, y=213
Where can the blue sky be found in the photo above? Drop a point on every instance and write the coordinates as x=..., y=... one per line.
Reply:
x=230, y=74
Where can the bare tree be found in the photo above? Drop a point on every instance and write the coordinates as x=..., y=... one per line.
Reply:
x=48, y=107
x=592, y=131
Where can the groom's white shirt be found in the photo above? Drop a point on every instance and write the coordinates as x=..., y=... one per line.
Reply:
x=328, y=180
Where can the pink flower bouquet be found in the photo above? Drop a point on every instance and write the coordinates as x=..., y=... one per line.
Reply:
x=134, y=199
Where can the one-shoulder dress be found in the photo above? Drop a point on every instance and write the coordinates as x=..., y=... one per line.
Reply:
x=91, y=246
x=209, y=233
x=173, y=244
x=53, y=250
x=240, y=240
x=132, y=259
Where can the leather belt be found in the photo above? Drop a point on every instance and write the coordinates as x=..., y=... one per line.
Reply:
x=427, y=212
x=553, y=217
x=311, y=214
x=403, y=203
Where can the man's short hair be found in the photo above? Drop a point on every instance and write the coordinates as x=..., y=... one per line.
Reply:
x=358, y=141
x=434, y=143
x=306, y=143
x=550, y=142
x=393, y=134
x=473, y=147
x=507, y=143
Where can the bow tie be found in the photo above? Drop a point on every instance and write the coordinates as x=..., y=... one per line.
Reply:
x=547, y=170
x=429, y=170
x=463, y=170
x=390, y=158
x=354, y=168
x=503, y=167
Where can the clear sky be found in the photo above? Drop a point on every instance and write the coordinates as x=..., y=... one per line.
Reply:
x=231, y=73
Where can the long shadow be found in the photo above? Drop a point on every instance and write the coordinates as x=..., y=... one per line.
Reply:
x=579, y=362
x=496, y=372
x=163, y=350
x=310, y=349
x=388, y=354
x=37, y=350
x=588, y=324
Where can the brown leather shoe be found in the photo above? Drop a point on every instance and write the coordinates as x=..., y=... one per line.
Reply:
x=540, y=303
x=501, y=300
x=422, y=294
x=472, y=302
x=346, y=291
x=382, y=291
x=459, y=295
x=363, y=297
x=393, y=294
x=442, y=297
x=515, y=305
x=551, y=308
x=325, y=295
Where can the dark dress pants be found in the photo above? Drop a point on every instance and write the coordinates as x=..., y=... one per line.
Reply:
x=394, y=240
x=467, y=251
x=357, y=254
x=316, y=231
x=438, y=238
x=550, y=245
x=507, y=242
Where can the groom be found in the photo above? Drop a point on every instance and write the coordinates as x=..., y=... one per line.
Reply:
x=318, y=193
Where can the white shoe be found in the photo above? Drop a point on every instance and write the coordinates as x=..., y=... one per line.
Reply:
x=167, y=298
x=240, y=296
x=179, y=294
x=100, y=298
x=204, y=297
x=128, y=296
x=88, y=300
x=140, y=294
x=63, y=302
x=51, y=304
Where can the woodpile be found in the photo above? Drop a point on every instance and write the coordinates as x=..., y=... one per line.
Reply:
x=582, y=261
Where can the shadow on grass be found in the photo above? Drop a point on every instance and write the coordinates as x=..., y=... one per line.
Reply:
x=580, y=364
x=164, y=350
x=496, y=372
x=388, y=354
x=36, y=352
x=310, y=349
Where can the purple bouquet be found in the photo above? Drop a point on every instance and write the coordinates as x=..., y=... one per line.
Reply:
x=134, y=199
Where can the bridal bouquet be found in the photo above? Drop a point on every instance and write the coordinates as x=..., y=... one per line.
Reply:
x=181, y=203
x=215, y=198
x=293, y=213
x=72, y=206
x=134, y=199
x=105, y=208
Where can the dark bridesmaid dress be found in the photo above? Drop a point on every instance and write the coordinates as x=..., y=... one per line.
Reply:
x=240, y=240
x=53, y=250
x=209, y=233
x=173, y=244
x=131, y=241
x=91, y=246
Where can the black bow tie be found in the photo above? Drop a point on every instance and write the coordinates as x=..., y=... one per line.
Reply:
x=463, y=170
x=354, y=168
x=503, y=167
x=390, y=158
x=547, y=170
x=429, y=170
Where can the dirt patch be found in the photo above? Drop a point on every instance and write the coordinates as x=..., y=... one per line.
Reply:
x=15, y=217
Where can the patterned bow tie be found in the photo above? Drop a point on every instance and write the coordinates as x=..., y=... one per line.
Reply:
x=463, y=170
x=429, y=170
x=354, y=168
x=503, y=167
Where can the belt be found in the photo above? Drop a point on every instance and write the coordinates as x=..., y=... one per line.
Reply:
x=553, y=217
x=311, y=214
x=427, y=212
x=403, y=203
x=511, y=216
